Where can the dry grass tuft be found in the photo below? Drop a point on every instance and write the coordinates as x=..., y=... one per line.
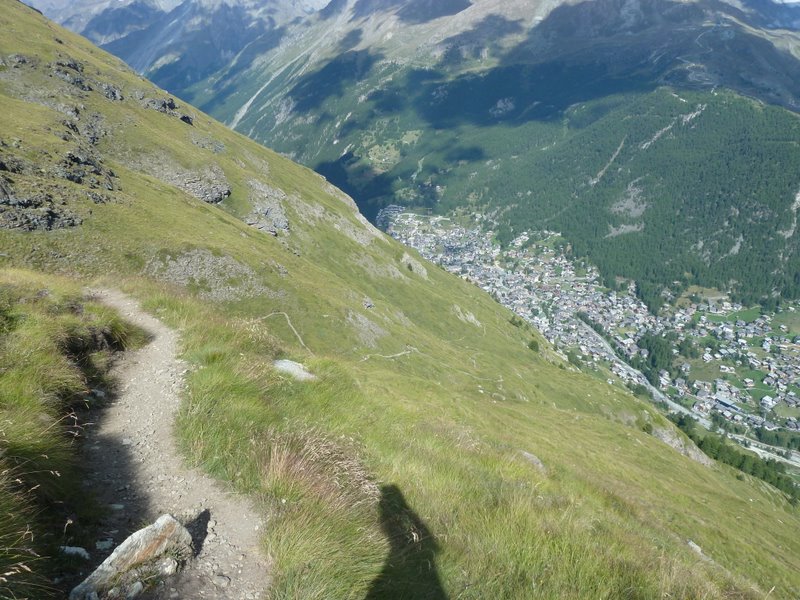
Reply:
x=309, y=462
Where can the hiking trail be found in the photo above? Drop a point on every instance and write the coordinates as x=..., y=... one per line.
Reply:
x=135, y=469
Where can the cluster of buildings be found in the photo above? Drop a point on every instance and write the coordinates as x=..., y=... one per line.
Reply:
x=536, y=279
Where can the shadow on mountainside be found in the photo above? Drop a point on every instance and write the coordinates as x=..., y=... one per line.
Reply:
x=593, y=53
x=410, y=569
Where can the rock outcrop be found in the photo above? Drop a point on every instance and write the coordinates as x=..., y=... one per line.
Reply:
x=37, y=212
x=268, y=214
x=210, y=186
x=156, y=550
x=164, y=105
x=672, y=438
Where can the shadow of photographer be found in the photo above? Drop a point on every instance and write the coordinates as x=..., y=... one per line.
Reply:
x=410, y=569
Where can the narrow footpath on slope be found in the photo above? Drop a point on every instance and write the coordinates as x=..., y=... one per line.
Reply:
x=135, y=469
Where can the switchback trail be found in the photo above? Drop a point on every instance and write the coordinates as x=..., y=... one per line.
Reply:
x=135, y=469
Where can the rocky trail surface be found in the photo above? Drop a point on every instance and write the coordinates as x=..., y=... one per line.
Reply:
x=136, y=471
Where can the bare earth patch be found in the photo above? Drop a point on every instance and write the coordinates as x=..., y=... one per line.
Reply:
x=219, y=278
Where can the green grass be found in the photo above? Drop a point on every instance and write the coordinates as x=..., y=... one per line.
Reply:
x=789, y=318
x=784, y=410
x=401, y=467
x=704, y=371
x=748, y=315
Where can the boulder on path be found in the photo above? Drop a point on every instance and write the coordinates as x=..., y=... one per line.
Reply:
x=164, y=537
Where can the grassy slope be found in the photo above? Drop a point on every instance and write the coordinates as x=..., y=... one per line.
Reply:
x=341, y=463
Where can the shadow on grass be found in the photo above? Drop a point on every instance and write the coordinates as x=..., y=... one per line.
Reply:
x=410, y=569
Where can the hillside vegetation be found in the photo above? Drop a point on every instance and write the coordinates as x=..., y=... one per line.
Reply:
x=654, y=135
x=436, y=454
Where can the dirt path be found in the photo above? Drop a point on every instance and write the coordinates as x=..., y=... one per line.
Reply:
x=136, y=470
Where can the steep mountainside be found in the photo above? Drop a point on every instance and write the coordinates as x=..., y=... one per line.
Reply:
x=437, y=453
x=559, y=114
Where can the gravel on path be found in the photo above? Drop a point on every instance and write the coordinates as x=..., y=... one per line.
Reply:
x=135, y=469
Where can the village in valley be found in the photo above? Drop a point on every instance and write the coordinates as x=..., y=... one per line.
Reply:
x=728, y=365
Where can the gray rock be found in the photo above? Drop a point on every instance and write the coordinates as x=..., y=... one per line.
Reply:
x=5, y=190
x=268, y=212
x=33, y=213
x=134, y=590
x=73, y=79
x=69, y=63
x=75, y=551
x=164, y=536
x=71, y=71
x=84, y=167
x=12, y=164
x=221, y=581
x=294, y=369
x=535, y=461
x=672, y=438
x=112, y=92
x=168, y=566
x=162, y=105
x=16, y=60
x=103, y=545
x=216, y=273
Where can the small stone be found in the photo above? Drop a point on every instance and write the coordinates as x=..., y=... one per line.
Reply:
x=168, y=566
x=75, y=551
x=127, y=442
x=221, y=581
x=103, y=545
x=135, y=589
x=117, y=507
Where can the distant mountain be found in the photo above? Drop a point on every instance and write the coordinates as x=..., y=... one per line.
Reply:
x=178, y=42
x=518, y=107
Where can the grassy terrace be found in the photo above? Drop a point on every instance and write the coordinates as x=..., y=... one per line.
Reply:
x=747, y=315
x=400, y=472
